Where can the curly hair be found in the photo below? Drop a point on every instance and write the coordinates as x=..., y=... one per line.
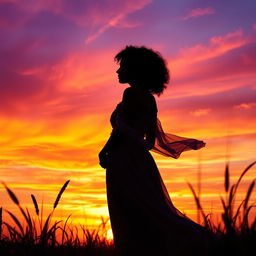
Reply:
x=148, y=65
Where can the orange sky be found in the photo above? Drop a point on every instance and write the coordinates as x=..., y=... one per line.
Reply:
x=59, y=87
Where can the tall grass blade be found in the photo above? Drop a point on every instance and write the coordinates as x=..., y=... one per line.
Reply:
x=1, y=221
x=44, y=232
x=64, y=229
x=224, y=205
x=35, y=204
x=13, y=232
x=195, y=196
x=245, y=224
x=35, y=229
x=60, y=193
x=231, y=198
x=238, y=212
x=53, y=228
x=41, y=217
x=27, y=218
x=198, y=204
x=241, y=176
x=245, y=171
x=16, y=221
x=249, y=192
x=30, y=224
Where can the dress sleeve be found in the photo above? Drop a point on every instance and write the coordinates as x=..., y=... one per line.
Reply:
x=172, y=145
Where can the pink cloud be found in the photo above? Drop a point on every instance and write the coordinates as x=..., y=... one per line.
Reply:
x=201, y=112
x=246, y=105
x=198, y=12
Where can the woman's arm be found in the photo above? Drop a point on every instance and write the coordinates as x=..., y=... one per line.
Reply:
x=152, y=124
x=151, y=134
x=104, y=153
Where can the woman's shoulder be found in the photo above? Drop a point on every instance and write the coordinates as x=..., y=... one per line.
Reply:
x=139, y=97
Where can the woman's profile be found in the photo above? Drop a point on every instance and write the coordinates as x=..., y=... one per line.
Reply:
x=143, y=219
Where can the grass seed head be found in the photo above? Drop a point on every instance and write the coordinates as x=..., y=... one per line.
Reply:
x=11, y=194
x=35, y=204
x=60, y=193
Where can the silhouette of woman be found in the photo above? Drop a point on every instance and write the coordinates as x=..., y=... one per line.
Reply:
x=143, y=219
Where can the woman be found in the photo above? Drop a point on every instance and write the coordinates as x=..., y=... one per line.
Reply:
x=143, y=219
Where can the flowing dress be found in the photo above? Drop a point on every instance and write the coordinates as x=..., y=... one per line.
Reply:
x=143, y=218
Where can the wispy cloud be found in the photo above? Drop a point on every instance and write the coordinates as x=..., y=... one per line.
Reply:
x=198, y=12
x=117, y=19
x=111, y=23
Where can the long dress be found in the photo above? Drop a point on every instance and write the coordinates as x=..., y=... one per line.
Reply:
x=143, y=218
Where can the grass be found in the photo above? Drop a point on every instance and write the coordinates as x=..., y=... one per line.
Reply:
x=235, y=219
x=237, y=234
x=42, y=237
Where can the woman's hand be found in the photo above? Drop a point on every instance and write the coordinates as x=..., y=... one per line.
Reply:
x=103, y=158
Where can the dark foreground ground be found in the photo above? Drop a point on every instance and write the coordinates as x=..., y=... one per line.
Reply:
x=226, y=246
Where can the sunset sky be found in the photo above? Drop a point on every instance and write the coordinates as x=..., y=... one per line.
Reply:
x=58, y=87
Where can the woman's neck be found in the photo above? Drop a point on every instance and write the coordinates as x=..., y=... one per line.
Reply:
x=139, y=87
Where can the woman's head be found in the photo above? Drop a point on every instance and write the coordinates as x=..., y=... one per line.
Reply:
x=144, y=67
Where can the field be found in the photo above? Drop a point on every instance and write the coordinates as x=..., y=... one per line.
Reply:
x=41, y=236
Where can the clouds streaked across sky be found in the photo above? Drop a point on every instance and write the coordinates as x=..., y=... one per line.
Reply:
x=58, y=88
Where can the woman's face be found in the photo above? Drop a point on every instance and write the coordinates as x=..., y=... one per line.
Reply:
x=124, y=73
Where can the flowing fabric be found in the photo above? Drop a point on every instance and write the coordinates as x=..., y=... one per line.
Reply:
x=172, y=145
x=143, y=218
